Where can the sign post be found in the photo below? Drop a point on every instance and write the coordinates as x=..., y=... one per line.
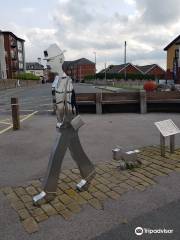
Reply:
x=172, y=143
x=167, y=128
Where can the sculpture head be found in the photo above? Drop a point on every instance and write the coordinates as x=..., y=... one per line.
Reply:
x=55, y=58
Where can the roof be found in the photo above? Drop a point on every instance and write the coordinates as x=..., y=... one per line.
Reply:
x=10, y=33
x=119, y=68
x=175, y=41
x=147, y=68
x=66, y=65
x=34, y=66
x=81, y=61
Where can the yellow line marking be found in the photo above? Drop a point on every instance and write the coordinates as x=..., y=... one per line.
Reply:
x=22, y=120
x=6, y=119
x=6, y=129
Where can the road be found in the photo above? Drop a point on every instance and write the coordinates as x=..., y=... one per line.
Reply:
x=166, y=217
x=38, y=97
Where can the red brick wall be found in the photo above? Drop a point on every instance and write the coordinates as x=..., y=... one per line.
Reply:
x=11, y=65
x=132, y=70
x=8, y=56
x=157, y=72
x=169, y=74
x=79, y=72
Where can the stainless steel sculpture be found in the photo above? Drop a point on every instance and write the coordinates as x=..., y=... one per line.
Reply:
x=68, y=124
x=127, y=160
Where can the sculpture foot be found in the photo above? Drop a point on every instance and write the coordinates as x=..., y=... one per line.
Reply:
x=43, y=197
x=84, y=183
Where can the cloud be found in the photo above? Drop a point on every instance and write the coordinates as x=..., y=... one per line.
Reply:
x=28, y=10
x=159, y=12
x=83, y=30
x=36, y=39
x=84, y=26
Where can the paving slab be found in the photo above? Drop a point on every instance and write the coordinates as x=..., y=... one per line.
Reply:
x=66, y=203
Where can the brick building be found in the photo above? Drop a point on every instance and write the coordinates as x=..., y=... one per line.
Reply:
x=35, y=68
x=154, y=70
x=79, y=69
x=122, y=68
x=173, y=60
x=12, y=55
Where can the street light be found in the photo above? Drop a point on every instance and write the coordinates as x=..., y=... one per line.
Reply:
x=95, y=68
x=125, y=73
x=105, y=73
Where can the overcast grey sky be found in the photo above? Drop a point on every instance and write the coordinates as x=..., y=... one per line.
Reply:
x=85, y=26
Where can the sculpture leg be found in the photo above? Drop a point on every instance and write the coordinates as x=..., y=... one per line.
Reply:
x=55, y=161
x=54, y=166
x=85, y=166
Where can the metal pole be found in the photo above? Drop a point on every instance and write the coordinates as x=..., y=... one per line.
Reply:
x=105, y=74
x=172, y=143
x=125, y=74
x=15, y=113
x=95, y=68
x=162, y=143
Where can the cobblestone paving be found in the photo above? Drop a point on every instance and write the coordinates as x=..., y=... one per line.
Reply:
x=110, y=183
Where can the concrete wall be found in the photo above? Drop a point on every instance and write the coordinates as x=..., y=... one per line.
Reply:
x=12, y=83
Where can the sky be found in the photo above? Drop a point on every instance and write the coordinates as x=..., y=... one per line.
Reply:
x=86, y=27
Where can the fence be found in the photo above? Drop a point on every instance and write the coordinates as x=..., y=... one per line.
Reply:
x=129, y=102
x=12, y=83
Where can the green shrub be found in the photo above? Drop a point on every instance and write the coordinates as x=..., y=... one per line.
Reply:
x=121, y=76
x=26, y=76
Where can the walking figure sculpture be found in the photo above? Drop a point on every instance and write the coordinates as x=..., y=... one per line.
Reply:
x=68, y=124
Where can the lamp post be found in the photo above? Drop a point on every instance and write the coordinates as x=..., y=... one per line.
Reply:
x=125, y=74
x=95, y=68
x=105, y=73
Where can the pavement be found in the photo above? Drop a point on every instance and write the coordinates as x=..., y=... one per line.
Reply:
x=99, y=135
x=115, y=204
x=24, y=158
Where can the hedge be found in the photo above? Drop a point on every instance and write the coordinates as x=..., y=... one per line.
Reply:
x=120, y=76
x=26, y=76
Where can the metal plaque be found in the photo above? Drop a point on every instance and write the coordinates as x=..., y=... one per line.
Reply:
x=167, y=127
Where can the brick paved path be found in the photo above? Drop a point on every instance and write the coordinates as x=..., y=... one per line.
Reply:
x=110, y=182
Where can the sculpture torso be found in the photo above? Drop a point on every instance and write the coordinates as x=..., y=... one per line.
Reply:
x=63, y=85
x=64, y=100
